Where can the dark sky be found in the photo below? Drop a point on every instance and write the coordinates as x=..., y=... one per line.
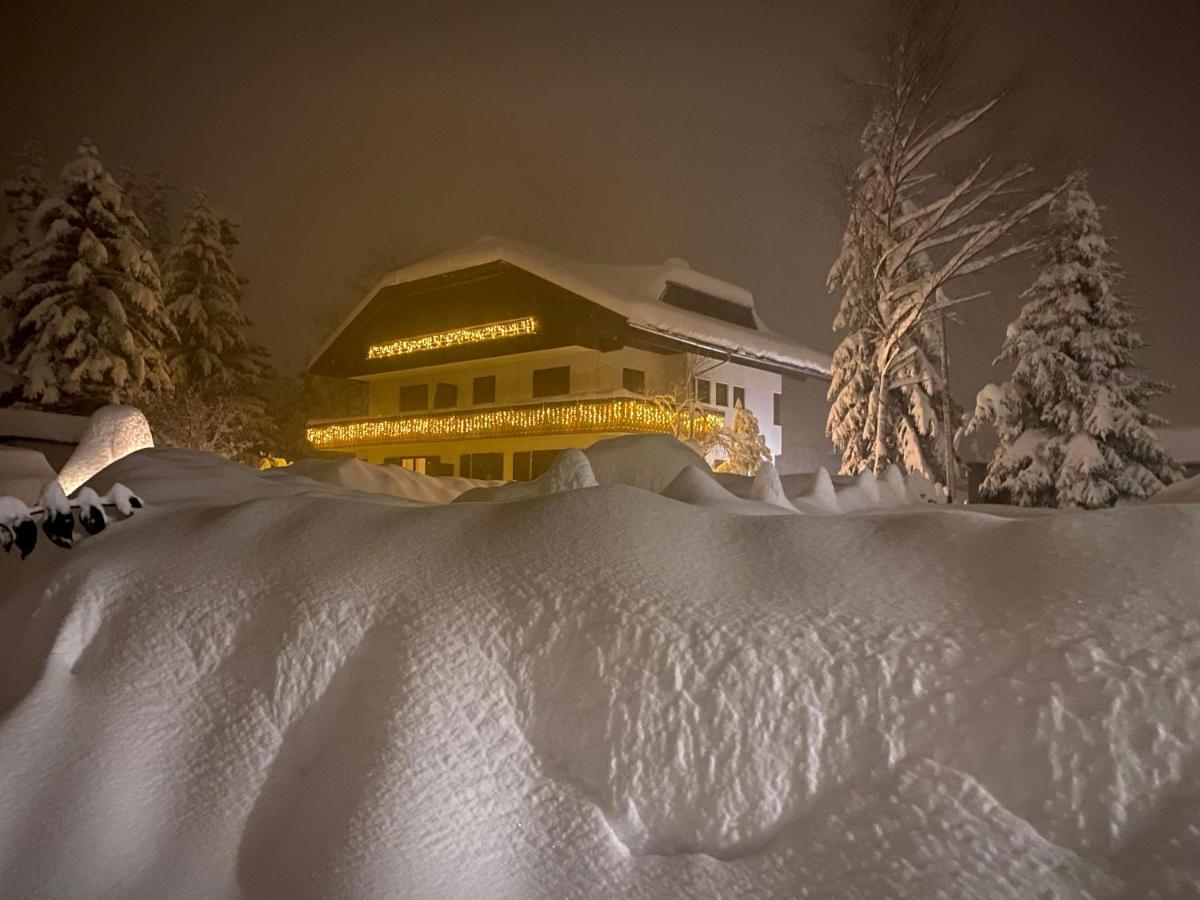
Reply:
x=616, y=132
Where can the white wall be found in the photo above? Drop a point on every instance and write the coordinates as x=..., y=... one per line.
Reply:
x=760, y=387
x=805, y=409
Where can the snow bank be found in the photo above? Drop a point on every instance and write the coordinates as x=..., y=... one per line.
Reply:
x=394, y=481
x=570, y=471
x=269, y=687
x=1186, y=490
x=648, y=461
x=112, y=432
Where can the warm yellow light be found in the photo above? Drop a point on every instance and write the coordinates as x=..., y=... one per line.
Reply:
x=472, y=334
x=618, y=414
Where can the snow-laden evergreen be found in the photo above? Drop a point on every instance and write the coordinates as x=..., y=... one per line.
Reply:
x=23, y=194
x=89, y=322
x=911, y=232
x=204, y=298
x=149, y=195
x=1073, y=423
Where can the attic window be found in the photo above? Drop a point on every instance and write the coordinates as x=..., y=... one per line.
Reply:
x=707, y=305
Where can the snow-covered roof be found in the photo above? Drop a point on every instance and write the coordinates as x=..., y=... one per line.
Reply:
x=632, y=291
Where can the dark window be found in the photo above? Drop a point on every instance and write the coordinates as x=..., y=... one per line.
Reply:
x=634, y=380
x=703, y=390
x=542, y=460
x=739, y=396
x=521, y=461
x=489, y=466
x=722, y=394
x=776, y=418
x=445, y=396
x=414, y=397
x=708, y=305
x=552, y=382
x=483, y=389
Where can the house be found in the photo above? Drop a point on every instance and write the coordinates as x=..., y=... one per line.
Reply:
x=487, y=360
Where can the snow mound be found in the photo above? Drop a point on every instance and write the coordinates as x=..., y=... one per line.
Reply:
x=394, y=481
x=1186, y=490
x=698, y=487
x=647, y=461
x=23, y=473
x=767, y=488
x=268, y=687
x=112, y=432
x=570, y=471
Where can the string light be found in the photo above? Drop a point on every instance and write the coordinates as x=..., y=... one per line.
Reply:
x=619, y=414
x=472, y=334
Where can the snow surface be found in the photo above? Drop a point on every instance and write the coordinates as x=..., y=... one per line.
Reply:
x=633, y=291
x=112, y=432
x=35, y=424
x=266, y=686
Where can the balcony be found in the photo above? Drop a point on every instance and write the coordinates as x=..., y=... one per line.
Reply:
x=615, y=415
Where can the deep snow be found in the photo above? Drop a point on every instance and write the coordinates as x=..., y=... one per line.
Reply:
x=265, y=686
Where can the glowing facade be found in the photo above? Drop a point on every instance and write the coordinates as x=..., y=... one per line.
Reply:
x=487, y=361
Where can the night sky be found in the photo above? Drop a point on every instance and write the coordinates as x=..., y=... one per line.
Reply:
x=610, y=132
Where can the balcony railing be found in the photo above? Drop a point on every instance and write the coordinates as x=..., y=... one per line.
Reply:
x=608, y=415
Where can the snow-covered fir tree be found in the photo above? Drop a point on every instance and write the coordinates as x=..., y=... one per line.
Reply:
x=912, y=230
x=743, y=442
x=23, y=194
x=1072, y=422
x=204, y=297
x=149, y=195
x=89, y=322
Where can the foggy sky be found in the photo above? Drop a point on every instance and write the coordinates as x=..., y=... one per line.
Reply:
x=612, y=132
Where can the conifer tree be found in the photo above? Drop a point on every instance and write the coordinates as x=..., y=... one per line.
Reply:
x=23, y=194
x=149, y=195
x=204, y=294
x=1073, y=423
x=89, y=323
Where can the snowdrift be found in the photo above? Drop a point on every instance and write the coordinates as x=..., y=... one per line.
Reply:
x=266, y=686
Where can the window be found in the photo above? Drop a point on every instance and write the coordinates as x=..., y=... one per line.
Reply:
x=708, y=305
x=445, y=396
x=776, y=418
x=427, y=465
x=722, y=394
x=521, y=461
x=703, y=390
x=552, y=382
x=542, y=460
x=414, y=397
x=489, y=466
x=739, y=396
x=483, y=389
x=634, y=380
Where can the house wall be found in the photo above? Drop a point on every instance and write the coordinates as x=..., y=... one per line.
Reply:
x=593, y=373
x=806, y=447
